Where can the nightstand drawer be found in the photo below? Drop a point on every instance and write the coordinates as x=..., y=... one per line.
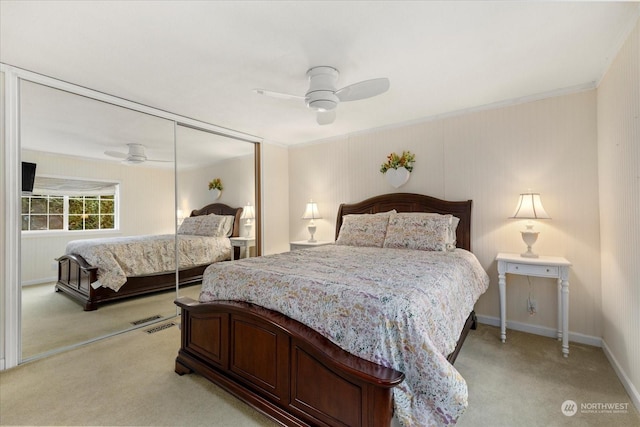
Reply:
x=305, y=244
x=533, y=270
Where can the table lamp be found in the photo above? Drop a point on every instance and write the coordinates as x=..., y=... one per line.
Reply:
x=530, y=207
x=311, y=212
x=248, y=213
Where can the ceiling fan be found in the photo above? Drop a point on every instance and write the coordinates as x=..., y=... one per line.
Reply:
x=135, y=155
x=324, y=97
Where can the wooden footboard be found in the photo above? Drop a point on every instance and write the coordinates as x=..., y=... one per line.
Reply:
x=75, y=276
x=283, y=368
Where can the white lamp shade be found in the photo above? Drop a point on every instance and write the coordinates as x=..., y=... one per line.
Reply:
x=530, y=207
x=248, y=212
x=311, y=211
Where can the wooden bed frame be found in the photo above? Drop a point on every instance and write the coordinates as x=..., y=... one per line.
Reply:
x=288, y=371
x=75, y=274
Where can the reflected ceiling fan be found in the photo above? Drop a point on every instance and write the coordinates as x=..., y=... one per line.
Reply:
x=324, y=97
x=135, y=155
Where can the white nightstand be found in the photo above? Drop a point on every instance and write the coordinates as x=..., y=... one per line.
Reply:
x=242, y=242
x=544, y=266
x=304, y=244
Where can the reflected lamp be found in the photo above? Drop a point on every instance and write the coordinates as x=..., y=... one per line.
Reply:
x=311, y=212
x=248, y=213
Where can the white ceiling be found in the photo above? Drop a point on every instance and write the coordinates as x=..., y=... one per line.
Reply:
x=202, y=59
x=59, y=122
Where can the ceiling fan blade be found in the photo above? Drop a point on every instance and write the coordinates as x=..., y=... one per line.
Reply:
x=116, y=154
x=363, y=90
x=160, y=161
x=326, y=117
x=277, y=94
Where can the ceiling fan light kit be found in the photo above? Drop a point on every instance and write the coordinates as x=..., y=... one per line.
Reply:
x=135, y=156
x=322, y=87
x=323, y=97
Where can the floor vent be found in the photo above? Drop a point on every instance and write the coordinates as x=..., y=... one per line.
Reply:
x=160, y=328
x=147, y=320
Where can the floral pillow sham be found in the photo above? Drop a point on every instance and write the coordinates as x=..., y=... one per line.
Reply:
x=421, y=231
x=211, y=225
x=364, y=229
x=189, y=225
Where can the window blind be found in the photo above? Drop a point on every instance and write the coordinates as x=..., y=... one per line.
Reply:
x=72, y=187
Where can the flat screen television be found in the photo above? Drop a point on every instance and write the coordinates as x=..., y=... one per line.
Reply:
x=28, y=176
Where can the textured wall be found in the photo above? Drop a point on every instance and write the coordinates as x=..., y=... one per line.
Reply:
x=275, y=198
x=619, y=177
x=489, y=156
x=237, y=177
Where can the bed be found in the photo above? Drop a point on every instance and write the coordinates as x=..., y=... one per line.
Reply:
x=80, y=280
x=307, y=361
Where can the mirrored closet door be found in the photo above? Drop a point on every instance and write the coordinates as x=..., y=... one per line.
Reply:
x=217, y=173
x=101, y=171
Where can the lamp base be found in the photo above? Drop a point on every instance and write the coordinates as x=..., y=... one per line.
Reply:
x=529, y=237
x=529, y=254
x=312, y=231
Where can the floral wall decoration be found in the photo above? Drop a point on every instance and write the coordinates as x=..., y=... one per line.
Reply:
x=397, y=168
x=215, y=186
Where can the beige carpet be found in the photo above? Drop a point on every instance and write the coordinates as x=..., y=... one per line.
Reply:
x=52, y=320
x=129, y=380
x=525, y=381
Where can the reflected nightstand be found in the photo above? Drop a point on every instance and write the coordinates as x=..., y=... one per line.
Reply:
x=242, y=242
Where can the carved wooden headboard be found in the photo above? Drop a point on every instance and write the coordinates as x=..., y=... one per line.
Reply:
x=222, y=209
x=409, y=202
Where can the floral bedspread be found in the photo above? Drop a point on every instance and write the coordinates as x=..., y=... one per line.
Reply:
x=400, y=308
x=120, y=257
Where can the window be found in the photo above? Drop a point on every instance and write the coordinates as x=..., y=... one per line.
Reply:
x=42, y=213
x=66, y=205
x=91, y=213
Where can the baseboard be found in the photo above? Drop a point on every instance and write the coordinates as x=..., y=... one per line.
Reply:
x=622, y=375
x=541, y=330
x=39, y=281
x=2, y=364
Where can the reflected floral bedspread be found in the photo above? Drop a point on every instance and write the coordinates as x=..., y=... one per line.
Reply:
x=400, y=308
x=120, y=257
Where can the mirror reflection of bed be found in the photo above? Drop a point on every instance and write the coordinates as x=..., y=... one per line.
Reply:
x=98, y=271
x=52, y=121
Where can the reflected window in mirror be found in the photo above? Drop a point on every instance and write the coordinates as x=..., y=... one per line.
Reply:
x=58, y=204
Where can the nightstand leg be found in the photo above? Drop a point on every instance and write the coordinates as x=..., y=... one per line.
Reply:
x=503, y=307
x=560, y=308
x=565, y=318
